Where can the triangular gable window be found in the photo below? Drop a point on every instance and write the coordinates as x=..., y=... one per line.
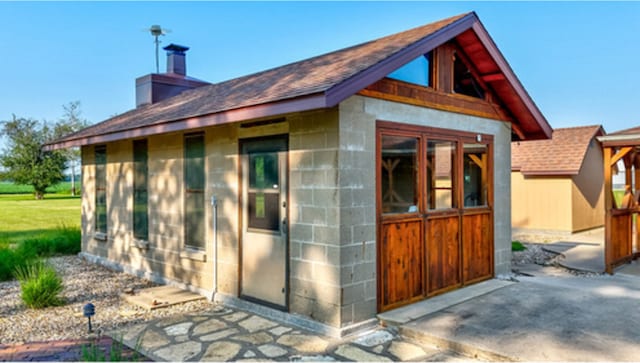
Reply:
x=418, y=71
x=463, y=80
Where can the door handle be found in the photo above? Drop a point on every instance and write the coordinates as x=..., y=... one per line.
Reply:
x=284, y=225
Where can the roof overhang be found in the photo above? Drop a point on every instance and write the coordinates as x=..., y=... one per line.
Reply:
x=613, y=140
x=558, y=173
x=307, y=103
x=530, y=124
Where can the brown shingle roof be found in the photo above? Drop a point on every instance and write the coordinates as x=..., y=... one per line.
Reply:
x=631, y=131
x=563, y=154
x=314, y=83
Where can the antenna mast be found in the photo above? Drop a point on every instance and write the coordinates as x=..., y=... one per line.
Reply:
x=156, y=31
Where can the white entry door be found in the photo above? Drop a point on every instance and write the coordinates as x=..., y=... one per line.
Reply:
x=264, y=221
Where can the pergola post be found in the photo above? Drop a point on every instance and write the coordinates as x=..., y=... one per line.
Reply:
x=608, y=206
x=619, y=223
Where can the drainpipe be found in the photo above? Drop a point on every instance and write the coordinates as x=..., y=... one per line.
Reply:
x=214, y=208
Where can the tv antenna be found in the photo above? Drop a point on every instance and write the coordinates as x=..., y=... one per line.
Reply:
x=157, y=31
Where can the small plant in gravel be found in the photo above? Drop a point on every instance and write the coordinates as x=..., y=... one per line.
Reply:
x=517, y=246
x=40, y=285
x=94, y=353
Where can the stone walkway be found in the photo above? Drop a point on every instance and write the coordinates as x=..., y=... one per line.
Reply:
x=226, y=334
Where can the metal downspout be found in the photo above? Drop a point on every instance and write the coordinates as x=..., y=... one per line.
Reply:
x=214, y=207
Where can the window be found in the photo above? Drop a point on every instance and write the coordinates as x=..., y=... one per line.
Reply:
x=264, y=193
x=463, y=80
x=418, y=71
x=100, y=153
x=194, y=184
x=140, y=191
x=475, y=175
x=399, y=174
x=441, y=157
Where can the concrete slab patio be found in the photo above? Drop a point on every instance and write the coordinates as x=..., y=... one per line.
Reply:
x=557, y=317
x=582, y=251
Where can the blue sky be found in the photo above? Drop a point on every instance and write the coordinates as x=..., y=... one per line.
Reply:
x=577, y=60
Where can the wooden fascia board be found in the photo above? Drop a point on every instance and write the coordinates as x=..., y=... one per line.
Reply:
x=359, y=81
x=513, y=80
x=619, y=140
x=306, y=103
x=550, y=172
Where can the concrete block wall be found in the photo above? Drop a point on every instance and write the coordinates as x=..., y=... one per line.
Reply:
x=357, y=181
x=314, y=212
x=222, y=182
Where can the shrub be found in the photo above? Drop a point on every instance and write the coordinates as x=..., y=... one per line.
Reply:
x=63, y=240
x=13, y=259
x=517, y=246
x=40, y=285
x=6, y=264
x=67, y=240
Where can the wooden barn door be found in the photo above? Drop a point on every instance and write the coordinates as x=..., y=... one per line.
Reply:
x=434, y=217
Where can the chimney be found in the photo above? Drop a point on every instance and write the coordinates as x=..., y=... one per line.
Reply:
x=176, y=59
x=156, y=87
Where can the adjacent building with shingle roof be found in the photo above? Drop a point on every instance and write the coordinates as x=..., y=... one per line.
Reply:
x=332, y=188
x=557, y=184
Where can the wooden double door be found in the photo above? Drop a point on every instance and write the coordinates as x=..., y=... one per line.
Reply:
x=435, y=213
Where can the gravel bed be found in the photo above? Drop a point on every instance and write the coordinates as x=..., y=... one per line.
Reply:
x=83, y=282
x=533, y=254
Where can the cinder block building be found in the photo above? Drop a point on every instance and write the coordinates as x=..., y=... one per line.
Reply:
x=332, y=188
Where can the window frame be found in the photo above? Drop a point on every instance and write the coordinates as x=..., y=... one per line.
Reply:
x=140, y=151
x=100, y=164
x=425, y=134
x=429, y=71
x=189, y=190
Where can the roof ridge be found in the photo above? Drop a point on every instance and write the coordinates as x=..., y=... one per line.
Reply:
x=577, y=127
x=450, y=19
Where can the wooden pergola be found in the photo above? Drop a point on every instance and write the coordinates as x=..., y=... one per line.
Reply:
x=620, y=244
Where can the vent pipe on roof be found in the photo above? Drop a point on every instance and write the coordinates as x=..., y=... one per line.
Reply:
x=176, y=63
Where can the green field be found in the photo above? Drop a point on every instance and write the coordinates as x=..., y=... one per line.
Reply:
x=61, y=188
x=22, y=217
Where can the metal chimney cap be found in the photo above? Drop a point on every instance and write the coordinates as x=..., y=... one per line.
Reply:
x=176, y=49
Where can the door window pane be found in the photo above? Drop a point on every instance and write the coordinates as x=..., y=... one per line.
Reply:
x=194, y=182
x=475, y=175
x=264, y=191
x=399, y=174
x=263, y=170
x=440, y=174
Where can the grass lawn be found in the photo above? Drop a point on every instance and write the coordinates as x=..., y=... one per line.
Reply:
x=23, y=217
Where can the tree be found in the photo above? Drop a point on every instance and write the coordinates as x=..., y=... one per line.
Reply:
x=24, y=160
x=71, y=122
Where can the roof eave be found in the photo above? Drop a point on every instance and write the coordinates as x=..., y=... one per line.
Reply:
x=361, y=80
x=299, y=104
x=550, y=172
x=612, y=140
x=505, y=68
